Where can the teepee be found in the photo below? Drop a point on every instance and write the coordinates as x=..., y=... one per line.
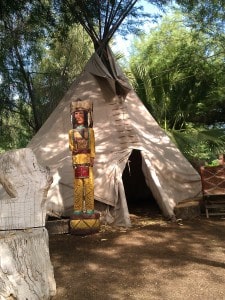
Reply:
x=122, y=124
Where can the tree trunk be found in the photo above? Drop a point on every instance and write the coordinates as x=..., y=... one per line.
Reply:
x=23, y=195
x=26, y=271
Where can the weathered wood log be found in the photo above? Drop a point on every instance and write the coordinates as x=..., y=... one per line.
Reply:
x=26, y=271
x=23, y=194
x=25, y=267
x=59, y=226
x=188, y=209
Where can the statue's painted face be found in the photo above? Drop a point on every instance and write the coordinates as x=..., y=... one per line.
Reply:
x=79, y=116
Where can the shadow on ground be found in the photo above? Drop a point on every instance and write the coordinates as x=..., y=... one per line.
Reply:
x=154, y=259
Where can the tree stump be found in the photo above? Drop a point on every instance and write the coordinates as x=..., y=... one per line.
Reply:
x=187, y=210
x=25, y=267
x=26, y=271
x=23, y=195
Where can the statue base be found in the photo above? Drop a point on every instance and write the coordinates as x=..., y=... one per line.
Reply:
x=84, y=224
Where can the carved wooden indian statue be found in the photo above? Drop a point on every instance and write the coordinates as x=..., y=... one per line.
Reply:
x=82, y=144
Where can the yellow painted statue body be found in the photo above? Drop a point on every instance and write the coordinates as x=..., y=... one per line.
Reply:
x=82, y=145
x=82, y=158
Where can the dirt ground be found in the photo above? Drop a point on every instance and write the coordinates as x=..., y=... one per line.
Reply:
x=154, y=259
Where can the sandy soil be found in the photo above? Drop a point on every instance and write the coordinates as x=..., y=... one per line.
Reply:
x=155, y=259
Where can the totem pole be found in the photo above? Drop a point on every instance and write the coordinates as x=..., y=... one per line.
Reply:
x=84, y=220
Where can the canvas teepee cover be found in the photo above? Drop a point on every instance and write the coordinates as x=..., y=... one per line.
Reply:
x=121, y=124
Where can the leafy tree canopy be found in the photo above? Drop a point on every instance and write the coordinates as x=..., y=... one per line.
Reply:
x=180, y=77
x=102, y=18
x=36, y=67
x=208, y=15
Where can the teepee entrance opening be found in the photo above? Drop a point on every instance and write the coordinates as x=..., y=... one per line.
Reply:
x=139, y=197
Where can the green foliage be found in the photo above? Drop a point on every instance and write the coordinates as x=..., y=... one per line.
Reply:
x=13, y=133
x=200, y=144
x=102, y=18
x=177, y=71
x=36, y=68
x=205, y=15
x=180, y=78
x=22, y=47
x=62, y=62
x=43, y=48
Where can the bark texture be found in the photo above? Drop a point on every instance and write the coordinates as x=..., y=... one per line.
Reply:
x=23, y=193
x=26, y=271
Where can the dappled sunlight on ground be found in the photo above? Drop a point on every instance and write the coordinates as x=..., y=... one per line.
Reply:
x=154, y=259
